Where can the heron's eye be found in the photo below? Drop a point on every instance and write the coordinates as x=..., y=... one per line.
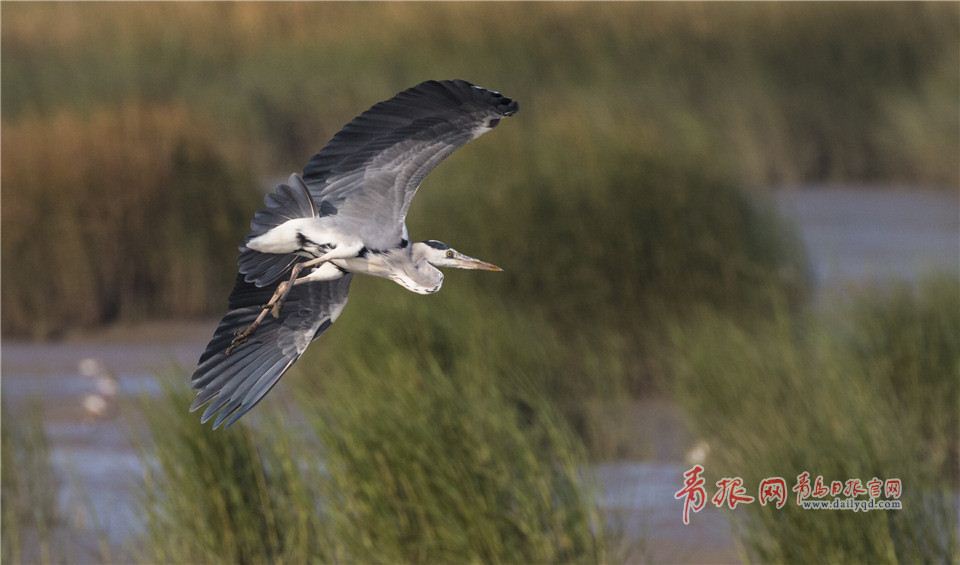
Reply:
x=449, y=254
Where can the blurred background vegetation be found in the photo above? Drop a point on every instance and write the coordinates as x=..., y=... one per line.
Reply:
x=627, y=202
x=136, y=138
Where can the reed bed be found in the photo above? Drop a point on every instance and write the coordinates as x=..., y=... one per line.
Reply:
x=782, y=92
x=121, y=214
x=29, y=488
x=413, y=465
x=818, y=395
x=135, y=136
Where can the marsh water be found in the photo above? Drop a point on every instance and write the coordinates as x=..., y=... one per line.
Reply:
x=854, y=236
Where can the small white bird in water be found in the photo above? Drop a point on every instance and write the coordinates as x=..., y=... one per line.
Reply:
x=346, y=214
x=102, y=403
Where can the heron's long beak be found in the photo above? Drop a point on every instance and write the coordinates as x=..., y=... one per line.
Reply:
x=462, y=261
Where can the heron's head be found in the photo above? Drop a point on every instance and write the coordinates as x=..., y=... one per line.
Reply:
x=439, y=254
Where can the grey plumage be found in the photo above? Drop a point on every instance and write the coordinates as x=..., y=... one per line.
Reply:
x=235, y=383
x=372, y=168
x=357, y=191
x=287, y=202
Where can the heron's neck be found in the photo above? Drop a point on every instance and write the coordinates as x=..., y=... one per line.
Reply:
x=419, y=251
x=406, y=267
x=417, y=275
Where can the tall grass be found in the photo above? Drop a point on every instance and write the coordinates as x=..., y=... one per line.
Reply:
x=29, y=490
x=432, y=435
x=583, y=372
x=909, y=343
x=411, y=464
x=792, y=395
x=231, y=496
x=433, y=465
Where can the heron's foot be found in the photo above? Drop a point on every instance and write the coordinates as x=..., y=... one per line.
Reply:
x=239, y=337
x=242, y=335
x=273, y=306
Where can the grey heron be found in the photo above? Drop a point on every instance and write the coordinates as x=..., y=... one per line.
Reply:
x=344, y=215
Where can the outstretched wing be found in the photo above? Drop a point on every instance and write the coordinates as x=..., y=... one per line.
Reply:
x=370, y=170
x=233, y=384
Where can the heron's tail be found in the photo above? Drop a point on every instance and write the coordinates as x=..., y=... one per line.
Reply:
x=288, y=201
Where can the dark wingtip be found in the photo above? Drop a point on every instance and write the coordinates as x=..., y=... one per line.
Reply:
x=509, y=107
x=504, y=105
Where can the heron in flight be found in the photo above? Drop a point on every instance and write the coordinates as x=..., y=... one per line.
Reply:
x=346, y=214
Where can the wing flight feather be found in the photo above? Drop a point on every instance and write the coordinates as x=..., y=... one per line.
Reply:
x=372, y=168
x=230, y=385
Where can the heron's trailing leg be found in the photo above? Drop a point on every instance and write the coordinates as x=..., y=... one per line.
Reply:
x=276, y=301
x=273, y=304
